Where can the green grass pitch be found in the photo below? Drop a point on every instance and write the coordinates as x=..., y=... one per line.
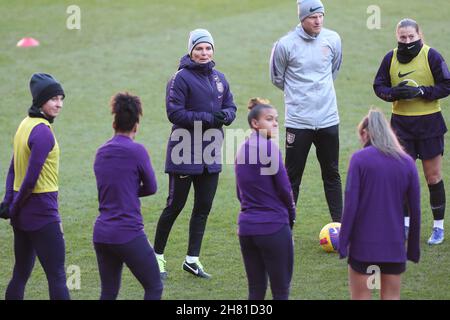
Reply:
x=136, y=46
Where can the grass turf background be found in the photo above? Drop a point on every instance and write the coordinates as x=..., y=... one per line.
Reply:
x=136, y=46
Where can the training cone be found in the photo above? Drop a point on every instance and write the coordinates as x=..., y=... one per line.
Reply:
x=27, y=42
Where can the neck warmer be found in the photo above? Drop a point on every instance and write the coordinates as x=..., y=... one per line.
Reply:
x=408, y=51
x=35, y=112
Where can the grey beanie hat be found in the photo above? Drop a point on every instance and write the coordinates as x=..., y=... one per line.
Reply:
x=309, y=7
x=198, y=36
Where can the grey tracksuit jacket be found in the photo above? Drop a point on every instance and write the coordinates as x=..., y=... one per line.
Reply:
x=304, y=67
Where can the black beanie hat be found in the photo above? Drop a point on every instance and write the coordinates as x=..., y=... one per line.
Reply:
x=43, y=87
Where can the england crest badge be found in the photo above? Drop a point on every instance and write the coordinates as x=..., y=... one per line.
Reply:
x=219, y=84
x=290, y=137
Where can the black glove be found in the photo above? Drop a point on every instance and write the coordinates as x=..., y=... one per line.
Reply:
x=219, y=118
x=4, y=211
x=402, y=91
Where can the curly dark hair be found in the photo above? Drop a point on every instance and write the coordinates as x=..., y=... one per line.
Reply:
x=127, y=110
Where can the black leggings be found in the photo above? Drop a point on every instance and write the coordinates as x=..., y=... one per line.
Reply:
x=205, y=186
x=48, y=245
x=298, y=144
x=139, y=257
x=268, y=256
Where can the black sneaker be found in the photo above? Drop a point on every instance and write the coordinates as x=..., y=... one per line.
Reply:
x=196, y=269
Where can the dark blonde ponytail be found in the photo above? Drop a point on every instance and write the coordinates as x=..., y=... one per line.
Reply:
x=380, y=134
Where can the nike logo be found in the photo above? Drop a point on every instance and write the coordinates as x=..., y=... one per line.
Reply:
x=195, y=40
x=193, y=270
x=409, y=48
x=401, y=75
x=183, y=177
x=314, y=9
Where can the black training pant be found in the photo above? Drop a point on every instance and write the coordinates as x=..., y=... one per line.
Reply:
x=326, y=141
x=205, y=186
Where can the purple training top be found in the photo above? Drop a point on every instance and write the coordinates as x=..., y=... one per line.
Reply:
x=372, y=226
x=266, y=200
x=124, y=173
x=32, y=211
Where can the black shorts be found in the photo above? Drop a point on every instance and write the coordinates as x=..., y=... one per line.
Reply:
x=395, y=268
x=424, y=149
x=421, y=136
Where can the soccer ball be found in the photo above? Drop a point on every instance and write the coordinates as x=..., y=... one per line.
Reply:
x=329, y=237
x=411, y=82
